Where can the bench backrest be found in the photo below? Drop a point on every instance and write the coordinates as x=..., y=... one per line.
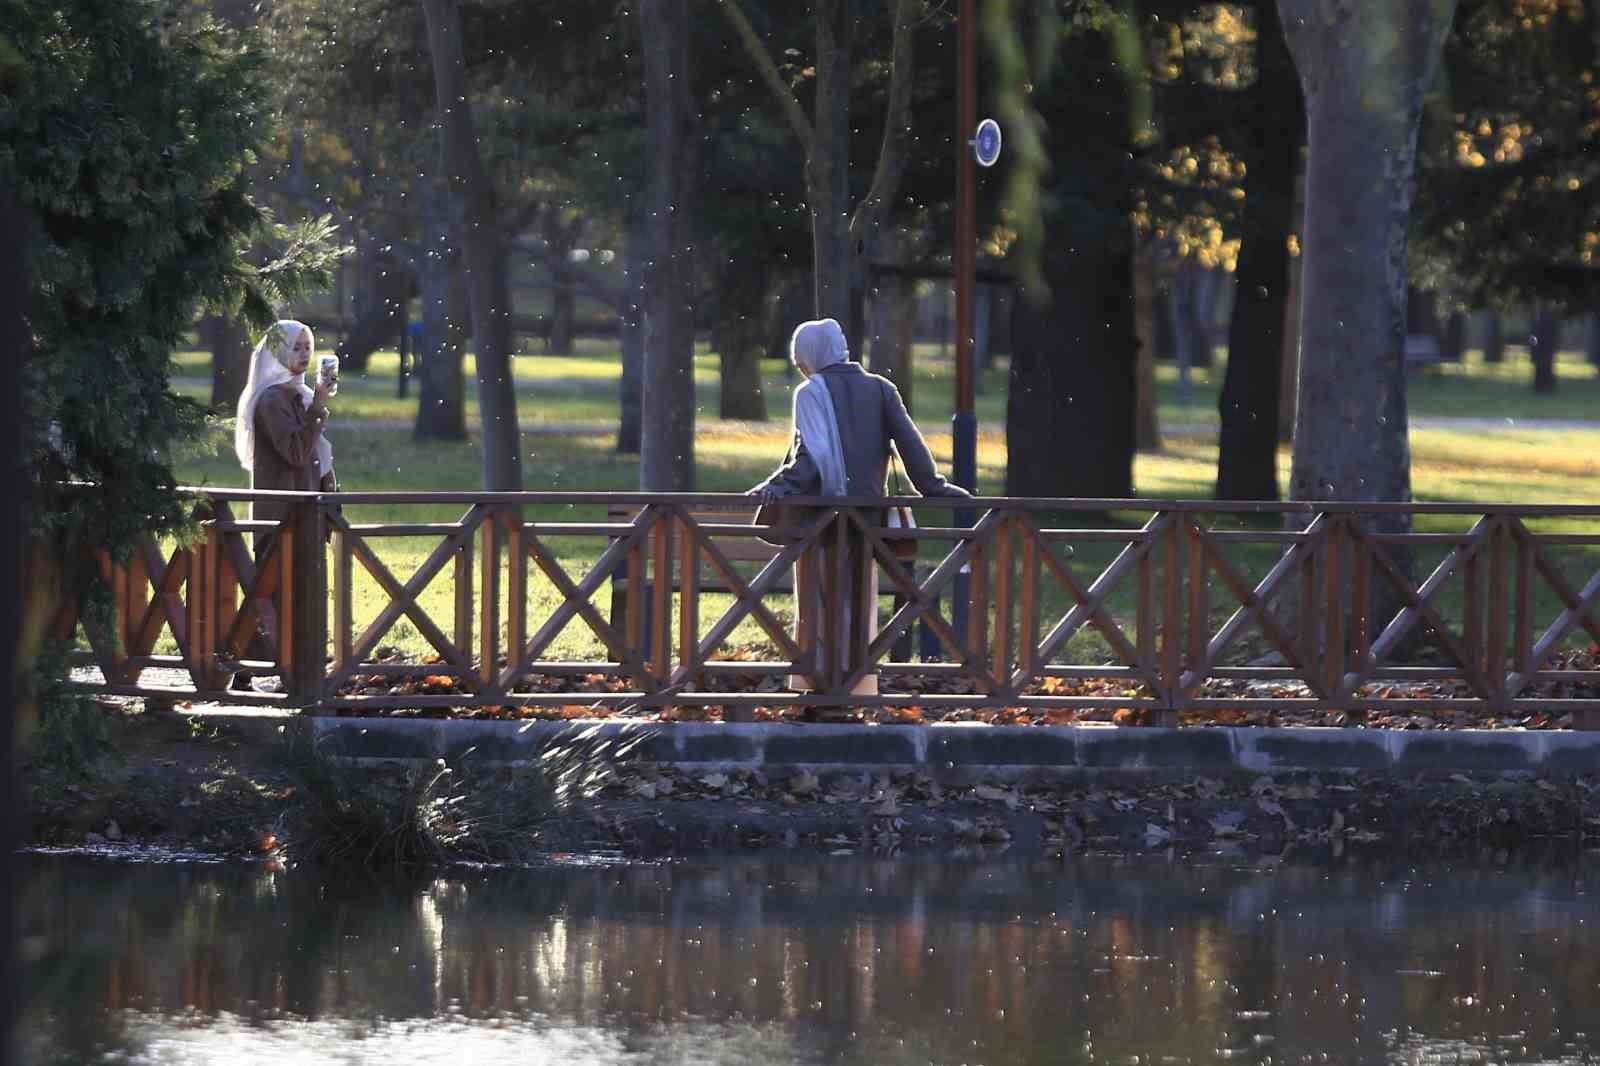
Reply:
x=736, y=549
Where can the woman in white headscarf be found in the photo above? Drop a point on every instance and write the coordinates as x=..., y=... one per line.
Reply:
x=278, y=435
x=845, y=423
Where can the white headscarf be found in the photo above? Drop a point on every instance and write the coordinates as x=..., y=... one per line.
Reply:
x=269, y=368
x=813, y=347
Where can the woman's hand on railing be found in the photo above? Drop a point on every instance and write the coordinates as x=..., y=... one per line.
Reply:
x=762, y=493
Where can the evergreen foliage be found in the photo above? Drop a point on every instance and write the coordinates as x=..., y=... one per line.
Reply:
x=126, y=127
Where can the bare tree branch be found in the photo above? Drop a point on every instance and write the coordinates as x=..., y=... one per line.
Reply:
x=892, y=154
x=769, y=73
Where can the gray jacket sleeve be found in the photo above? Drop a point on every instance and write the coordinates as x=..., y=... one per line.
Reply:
x=798, y=476
x=913, y=449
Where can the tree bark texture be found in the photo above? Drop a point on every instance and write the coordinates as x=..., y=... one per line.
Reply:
x=666, y=456
x=1289, y=379
x=1147, y=420
x=441, y=381
x=1494, y=338
x=739, y=335
x=631, y=385
x=14, y=347
x=828, y=167
x=475, y=223
x=385, y=287
x=1250, y=402
x=230, y=360
x=1070, y=409
x=893, y=318
x=1543, y=344
x=1453, y=339
x=1364, y=66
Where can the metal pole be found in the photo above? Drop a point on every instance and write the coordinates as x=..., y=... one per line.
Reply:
x=964, y=423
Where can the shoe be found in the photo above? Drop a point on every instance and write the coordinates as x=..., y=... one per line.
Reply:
x=241, y=683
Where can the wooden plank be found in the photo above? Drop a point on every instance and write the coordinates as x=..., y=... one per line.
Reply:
x=516, y=595
x=1335, y=544
x=306, y=673
x=466, y=564
x=1523, y=620
x=1171, y=624
x=688, y=601
x=1199, y=624
x=1000, y=640
x=490, y=543
x=343, y=604
x=661, y=609
x=1028, y=624
x=285, y=544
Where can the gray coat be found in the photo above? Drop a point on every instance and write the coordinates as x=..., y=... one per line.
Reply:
x=871, y=416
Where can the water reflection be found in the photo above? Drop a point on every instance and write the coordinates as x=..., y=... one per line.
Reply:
x=795, y=961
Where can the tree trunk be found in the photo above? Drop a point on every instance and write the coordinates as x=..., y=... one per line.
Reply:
x=666, y=457
x=14, y=579
x=386, y=287
x=894, y=318
x=631, y=385
x=1250, y=403
x=1070, y=409
x=476, y=225
x=1289, y=380
x=1183, y=353
x=1543, y=345
x=441, y=384
x=738, y=336
x=1364, y=67
x=1494, y=338
x=563, y=316
x=1591, y=338
x=1453, y=340
x=1204, y=284
x=230, y=360
x=1147, y=420
x=828, y=169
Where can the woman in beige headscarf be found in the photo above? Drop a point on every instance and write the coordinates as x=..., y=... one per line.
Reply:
x=278, y=435
x=845, y=423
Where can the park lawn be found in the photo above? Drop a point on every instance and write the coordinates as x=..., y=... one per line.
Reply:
x=581, y=389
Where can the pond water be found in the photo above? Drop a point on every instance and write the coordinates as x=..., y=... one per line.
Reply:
x=763, y=959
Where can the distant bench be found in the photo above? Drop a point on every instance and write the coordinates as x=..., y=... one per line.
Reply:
x=749, y=549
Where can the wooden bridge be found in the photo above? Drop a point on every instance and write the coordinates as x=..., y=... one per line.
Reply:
x=1185, y=606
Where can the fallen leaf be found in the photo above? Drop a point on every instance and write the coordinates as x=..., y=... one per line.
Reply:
x=1008, y=796
x=804, y=783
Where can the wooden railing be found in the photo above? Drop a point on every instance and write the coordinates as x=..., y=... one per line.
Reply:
x=1194, y=606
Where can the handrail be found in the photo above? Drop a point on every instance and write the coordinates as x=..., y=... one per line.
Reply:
x=1334, y=592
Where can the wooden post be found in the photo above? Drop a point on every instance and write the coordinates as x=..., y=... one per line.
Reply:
x=489, y=608
x=688, y=600
x=516, y=594
x=1000, y=638
x=1171, y=606
x=306, y=603
x=1494, y=657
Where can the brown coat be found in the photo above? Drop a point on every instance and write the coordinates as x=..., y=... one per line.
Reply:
x=286, y=448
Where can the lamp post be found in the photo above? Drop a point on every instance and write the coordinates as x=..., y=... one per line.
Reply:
x=964, y=423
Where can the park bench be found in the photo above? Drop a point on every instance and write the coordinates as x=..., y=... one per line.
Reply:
x=736, y=550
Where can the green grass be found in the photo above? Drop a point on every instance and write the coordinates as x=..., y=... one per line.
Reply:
x=375, y=452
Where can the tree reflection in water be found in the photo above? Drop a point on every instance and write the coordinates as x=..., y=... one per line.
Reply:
x=793, y=960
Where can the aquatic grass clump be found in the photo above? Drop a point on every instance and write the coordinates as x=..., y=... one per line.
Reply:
x=398, y=817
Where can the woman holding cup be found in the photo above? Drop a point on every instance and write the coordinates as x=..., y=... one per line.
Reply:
x=278, y=435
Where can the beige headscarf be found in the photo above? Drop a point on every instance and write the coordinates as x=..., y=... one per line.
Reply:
x=269, y=368
x=815, y=346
